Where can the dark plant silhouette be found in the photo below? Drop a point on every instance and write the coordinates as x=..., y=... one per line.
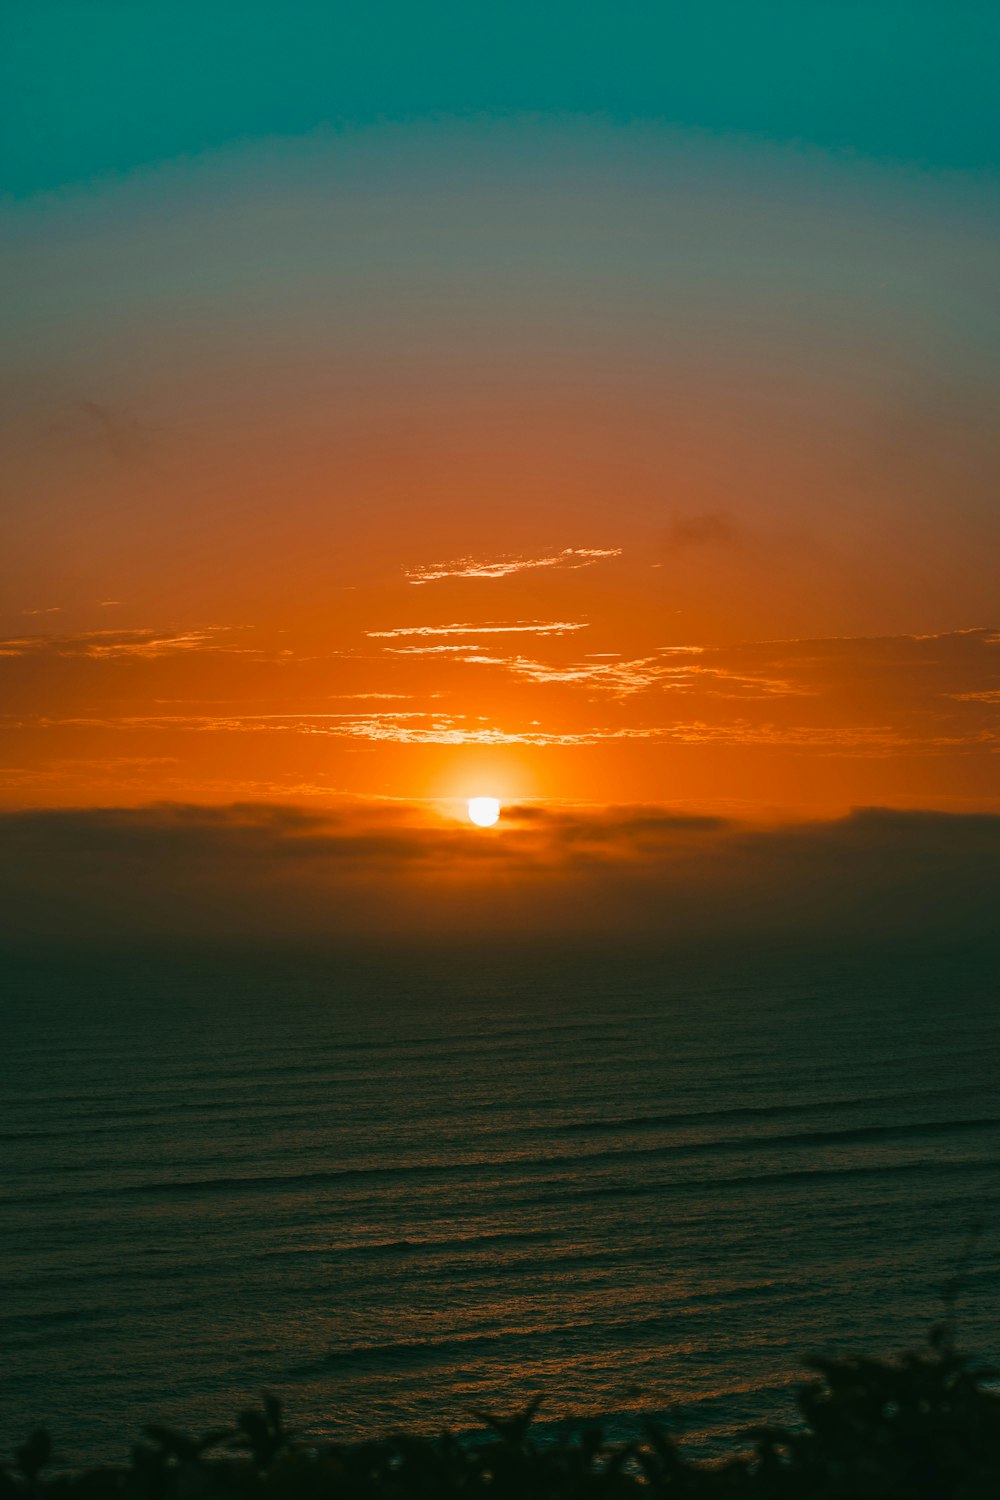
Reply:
x=925, y=1426
x=263, y=1433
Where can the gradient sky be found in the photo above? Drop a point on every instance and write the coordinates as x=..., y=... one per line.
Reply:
x=578, y=403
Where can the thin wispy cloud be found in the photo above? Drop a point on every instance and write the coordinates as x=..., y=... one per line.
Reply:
x=608, y=673
x=502, y=567
x=621, y=678
x=451, y=650
x=957, y=665
x=516, y=627
x=453, y=732
x=110, y=644
x=394, y=726
x=626, y=677
x=932, y=696
x=419, y=727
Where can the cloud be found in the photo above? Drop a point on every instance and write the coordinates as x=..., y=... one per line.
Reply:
x=450, y=650
x=903, y=677
x=403, y=728
x=914, y=695
x=712, y=528
x=99, y=426
x=111, y=644
x=393, y=727
x=502, y=567
x=623, y=678
x=878, y=876
x=518, y=627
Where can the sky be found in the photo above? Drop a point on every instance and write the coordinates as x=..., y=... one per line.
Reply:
x=587, y=405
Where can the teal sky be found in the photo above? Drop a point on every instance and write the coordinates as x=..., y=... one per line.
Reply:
x=97, y=87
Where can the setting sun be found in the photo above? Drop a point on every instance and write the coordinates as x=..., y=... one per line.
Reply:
x=484, y=811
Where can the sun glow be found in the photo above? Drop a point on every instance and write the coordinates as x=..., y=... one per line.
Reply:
x=484, y=811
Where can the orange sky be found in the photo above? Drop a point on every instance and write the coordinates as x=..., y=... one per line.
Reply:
x=573, y=463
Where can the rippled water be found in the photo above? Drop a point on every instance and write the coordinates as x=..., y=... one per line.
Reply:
x=390, y=1189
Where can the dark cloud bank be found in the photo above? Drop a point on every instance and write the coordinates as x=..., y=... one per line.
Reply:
x=877, y=877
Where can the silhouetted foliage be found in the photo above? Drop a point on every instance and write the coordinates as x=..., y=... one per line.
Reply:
x=922, y=1427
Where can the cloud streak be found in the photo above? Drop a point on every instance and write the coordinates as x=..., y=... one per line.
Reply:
x=503, y=567
x=405, y=728
x=516, y=627
x=623, y=678
x=958, y=666
x=111, y=644
x=930, y=698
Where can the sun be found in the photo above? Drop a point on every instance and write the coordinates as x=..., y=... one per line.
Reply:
x=484, y=811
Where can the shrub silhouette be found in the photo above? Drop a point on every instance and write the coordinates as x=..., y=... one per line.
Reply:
x=921, y=1427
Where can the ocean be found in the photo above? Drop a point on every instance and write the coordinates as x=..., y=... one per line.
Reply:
x=393, y=1187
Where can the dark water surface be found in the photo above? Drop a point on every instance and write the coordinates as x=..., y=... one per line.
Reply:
x=392, y=1188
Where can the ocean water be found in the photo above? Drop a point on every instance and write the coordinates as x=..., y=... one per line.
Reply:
x=393, y=1187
